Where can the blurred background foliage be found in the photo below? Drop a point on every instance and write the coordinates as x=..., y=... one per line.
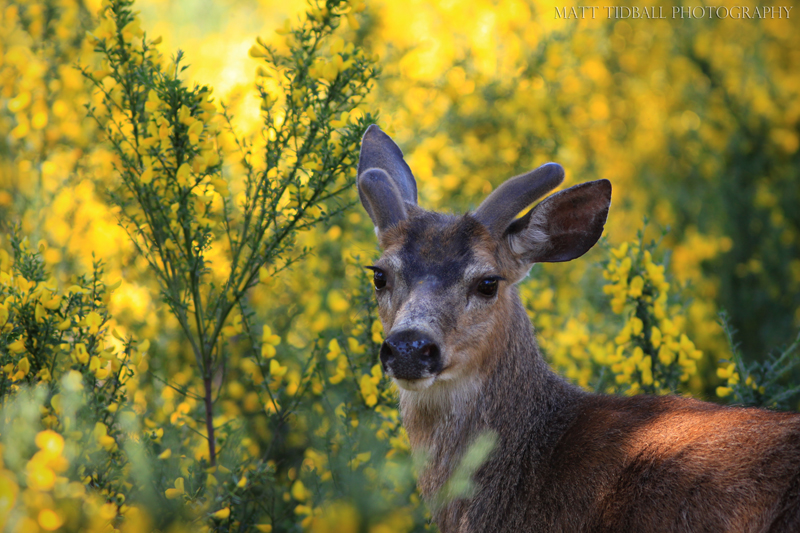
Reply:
x=695, y=122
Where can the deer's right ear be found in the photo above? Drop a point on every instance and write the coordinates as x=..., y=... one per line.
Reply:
x=385, y=183
x=562, y=226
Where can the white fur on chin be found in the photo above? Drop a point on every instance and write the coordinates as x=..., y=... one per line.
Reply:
x=415, y=384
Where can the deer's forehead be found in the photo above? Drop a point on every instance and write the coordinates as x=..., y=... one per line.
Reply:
x=445, y=248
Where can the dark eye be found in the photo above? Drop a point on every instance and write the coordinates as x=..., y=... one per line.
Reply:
x=378, y=278
x=488, y=287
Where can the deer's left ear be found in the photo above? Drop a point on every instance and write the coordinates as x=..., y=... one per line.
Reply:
x=386, y=186
x=563, y=226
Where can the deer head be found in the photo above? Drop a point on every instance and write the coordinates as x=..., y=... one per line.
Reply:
x=445, y=283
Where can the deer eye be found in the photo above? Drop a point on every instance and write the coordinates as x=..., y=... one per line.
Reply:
x=488, y=286
x=378, y=278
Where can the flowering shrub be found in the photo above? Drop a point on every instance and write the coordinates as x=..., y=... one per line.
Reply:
x=652, y=354
x=230, y=379
x=764, y=383
x=174, y=201
x=64, y=374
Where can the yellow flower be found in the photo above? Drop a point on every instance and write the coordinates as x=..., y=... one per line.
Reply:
x=355, y=346
x=368, y=390
x=637, y=284
x=647, y=371
x=53, y=303
x=147, y=176
x=171, y=494
x=194, y=132
x=182, y=176
x=725, y=372
x=352, y=21
x=269, y=338
x=219, y=184
x=656, y=274
x=17, y=346
x=102, y=436
x=44, y=375
x=344, y=117
x=184, y=114
x=338, y=377
x=107, y=442
x=268, y=351
x=39, y=313
x=722, y=392
x=93, y=321
x=360, y=459
x=80, y=353
x=222, y=514
x=665, y=355
x=377, y=332
x=8, y=494
x=276, y=370
x=620, y=252
x=624, y=335
x=655, y=337
x=625, y=267
x=40, y=476
x=50, y=520
x=50, y=442
x=638, y=355
x=334, y=350
x=299, y=491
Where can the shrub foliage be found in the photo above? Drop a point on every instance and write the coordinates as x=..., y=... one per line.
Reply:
x=229, y=379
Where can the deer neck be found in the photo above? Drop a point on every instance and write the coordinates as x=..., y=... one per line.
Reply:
x=519, y=397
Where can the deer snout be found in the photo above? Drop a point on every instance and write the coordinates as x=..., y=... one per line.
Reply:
x=410, y=355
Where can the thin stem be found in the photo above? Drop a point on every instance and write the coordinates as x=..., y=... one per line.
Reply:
x=212, y=448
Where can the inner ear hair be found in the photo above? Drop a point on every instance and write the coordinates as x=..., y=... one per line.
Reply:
x=563, y=226
x=381, y=199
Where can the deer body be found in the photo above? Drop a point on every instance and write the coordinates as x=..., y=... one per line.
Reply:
x=461, y=349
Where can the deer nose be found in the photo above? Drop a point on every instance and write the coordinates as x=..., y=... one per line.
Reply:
x=410, y=355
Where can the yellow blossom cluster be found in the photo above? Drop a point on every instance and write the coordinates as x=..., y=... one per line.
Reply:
x=61, y=362
x=160, y=128
x=652, y=353
x=40, y=322
x=728, y=372
x=576, y=345
x=39, y=87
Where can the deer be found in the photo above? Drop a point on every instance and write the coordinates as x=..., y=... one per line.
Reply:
x=461, y=349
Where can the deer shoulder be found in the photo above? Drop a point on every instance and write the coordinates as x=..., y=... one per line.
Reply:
x=461, y=350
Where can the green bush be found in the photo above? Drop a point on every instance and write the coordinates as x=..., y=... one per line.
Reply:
x=256, y=402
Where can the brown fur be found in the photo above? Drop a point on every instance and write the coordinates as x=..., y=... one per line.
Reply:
x=571, y=461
